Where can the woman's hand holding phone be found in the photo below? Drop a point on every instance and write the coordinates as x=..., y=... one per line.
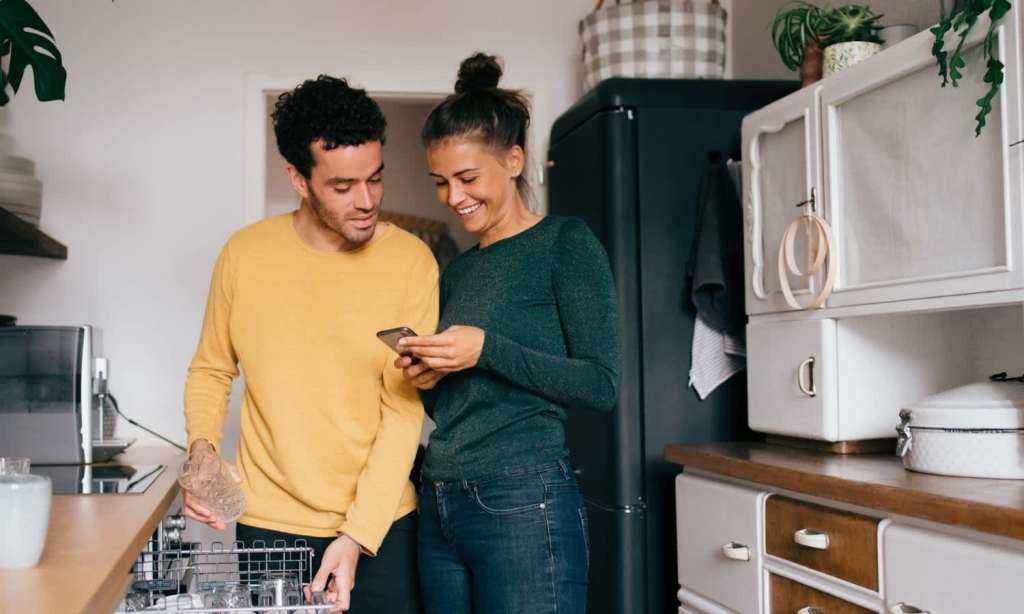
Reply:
x=456, y=349
x=417, y=373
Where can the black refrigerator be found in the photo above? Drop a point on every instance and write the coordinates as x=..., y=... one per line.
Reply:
x=629, y=158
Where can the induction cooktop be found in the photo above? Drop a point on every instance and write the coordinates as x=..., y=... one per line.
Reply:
x=105, y=479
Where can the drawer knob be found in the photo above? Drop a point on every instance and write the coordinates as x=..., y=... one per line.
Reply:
x=736, y=552
x=811, y=539
x=810, y=610
x=902, y=608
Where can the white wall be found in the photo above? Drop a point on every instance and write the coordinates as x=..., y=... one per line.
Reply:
x=144, y=165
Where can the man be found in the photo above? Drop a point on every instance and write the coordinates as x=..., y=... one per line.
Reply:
x=329, y=428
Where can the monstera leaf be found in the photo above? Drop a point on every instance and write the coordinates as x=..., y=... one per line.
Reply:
x=24, y=35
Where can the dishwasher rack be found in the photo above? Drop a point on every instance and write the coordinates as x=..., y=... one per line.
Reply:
x=170, y=579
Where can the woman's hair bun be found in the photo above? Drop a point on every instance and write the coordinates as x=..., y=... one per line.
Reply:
x=478, y=72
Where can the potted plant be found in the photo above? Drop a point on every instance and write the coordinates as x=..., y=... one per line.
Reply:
x=26, y=39
x=801, y=30
x=851, y=32
x=960, y=22
x=796, y=33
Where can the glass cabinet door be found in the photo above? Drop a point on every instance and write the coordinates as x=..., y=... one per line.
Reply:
x=920, y=206
x=780, y=169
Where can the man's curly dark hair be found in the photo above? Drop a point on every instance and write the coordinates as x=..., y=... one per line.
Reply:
x=326, y=109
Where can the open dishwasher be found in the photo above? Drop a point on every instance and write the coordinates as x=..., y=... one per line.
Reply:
x=223, y=578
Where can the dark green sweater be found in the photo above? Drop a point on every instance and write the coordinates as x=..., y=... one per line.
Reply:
x=546, y=301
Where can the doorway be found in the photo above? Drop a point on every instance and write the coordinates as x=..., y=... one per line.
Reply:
x=408, y=190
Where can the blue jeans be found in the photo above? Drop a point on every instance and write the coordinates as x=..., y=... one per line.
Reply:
x=511, y=543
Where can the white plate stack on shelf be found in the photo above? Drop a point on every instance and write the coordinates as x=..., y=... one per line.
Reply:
x=20, y=192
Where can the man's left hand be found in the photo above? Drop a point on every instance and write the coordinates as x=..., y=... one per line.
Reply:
x=340, y=559
x=456, y=349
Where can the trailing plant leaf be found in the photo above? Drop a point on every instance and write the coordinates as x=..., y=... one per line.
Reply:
x=954, y=68
x=30, y=43
x=999, y=9
x=938, y=50
x=961, y=21
x=994, y=77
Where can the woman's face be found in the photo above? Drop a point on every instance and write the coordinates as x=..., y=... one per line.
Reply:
x=477, y=183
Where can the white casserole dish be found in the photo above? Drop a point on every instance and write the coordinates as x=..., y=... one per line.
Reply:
x=975, y=430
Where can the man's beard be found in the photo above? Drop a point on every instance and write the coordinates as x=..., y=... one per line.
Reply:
x=336, y=223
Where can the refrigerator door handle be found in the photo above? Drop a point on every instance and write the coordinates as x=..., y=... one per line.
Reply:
x=639, y=508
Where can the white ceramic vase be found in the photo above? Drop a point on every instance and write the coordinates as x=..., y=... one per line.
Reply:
x=841, y=56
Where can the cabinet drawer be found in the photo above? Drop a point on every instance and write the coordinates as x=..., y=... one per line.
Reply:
x=718, y=532
x=834, y=542
x=789, y=597
x=933, y=572
x=791, y=381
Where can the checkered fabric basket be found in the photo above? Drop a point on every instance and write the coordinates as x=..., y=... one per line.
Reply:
x=654, y=38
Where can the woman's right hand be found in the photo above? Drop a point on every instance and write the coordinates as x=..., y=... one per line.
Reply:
x=418, y=374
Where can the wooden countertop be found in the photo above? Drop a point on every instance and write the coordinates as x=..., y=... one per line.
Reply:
x=91, y=544
x=873, y=481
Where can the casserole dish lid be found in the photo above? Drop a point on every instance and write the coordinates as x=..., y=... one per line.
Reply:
x=983, y=405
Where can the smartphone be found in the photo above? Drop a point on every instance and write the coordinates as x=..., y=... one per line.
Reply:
x=391, y=336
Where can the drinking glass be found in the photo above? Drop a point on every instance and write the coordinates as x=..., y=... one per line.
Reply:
x=136, y=602
x=14, y=464
x=227, y=595
x=279, y=588
x=206, y=477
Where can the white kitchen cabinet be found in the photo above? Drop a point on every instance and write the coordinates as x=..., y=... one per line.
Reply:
x=782, y=146
x=919, y=206
x=927, y=571
x=791, y=379
x=847, y=379
x=720, y=543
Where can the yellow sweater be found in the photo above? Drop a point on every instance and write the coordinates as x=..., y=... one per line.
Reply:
x=329, y=428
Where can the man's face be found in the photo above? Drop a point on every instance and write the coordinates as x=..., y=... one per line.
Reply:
x=345, y=189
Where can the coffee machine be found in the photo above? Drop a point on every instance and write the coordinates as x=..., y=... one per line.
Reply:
x=50, y=409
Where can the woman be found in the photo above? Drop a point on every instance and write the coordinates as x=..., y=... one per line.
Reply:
x=530, y=330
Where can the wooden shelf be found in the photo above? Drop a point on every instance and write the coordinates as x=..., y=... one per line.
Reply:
x=19, y=238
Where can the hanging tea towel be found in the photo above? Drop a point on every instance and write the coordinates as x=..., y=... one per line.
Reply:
x=718, y=351
x=716, y=358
